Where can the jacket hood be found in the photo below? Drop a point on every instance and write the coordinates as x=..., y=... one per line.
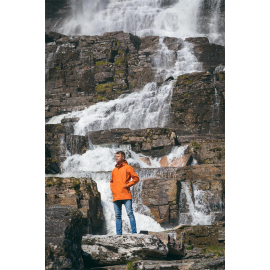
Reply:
x=121, y=164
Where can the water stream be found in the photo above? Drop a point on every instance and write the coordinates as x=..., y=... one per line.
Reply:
x=175, y=18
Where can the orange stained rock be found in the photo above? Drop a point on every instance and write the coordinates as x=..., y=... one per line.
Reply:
x=146, y=160
x=120, y=181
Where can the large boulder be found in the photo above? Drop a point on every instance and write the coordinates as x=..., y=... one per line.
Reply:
x=161, y=197
x=80, y=193
x=120, y=249
x=63, y=235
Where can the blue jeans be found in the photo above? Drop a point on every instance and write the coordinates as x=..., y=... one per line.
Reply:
x=118, y=215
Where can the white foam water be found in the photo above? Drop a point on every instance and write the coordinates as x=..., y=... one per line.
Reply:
x=174, y=18
x=143, y=109
x=199, y=211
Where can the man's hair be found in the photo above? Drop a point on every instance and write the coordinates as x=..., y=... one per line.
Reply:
x=122, y=153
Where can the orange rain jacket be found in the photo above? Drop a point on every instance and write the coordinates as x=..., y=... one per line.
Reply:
x=120, y=184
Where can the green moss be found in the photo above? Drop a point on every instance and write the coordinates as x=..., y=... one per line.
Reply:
x=186, y=94
x=100, y=63
x=206, y=161
x=130, y=265
x=196, y=145
x=120, y=61
x=104, y=88
x=100, y=98
x=217, y=251
x=49, y=182
x=182, y=76
x=119, y=71
x=76, y=184
x=59, y=182
x=118, y=43
x=221, y=76
x=189, y=248
x=187, y=82
x=120, y=51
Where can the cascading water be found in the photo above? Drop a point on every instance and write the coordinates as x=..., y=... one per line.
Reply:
x=174, y=18
x=199, y=212
x=146, y=108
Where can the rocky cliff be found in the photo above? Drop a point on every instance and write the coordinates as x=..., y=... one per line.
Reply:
x=179, y=202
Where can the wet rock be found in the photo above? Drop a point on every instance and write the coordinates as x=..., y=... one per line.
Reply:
x=80, y=193
x=198, y=105
x=207, y=53
x=70, y=120
x=163, y=205
x=182, y=161
x=78, y=67
x=120, y=249
x=173, y=43
x=63, y=235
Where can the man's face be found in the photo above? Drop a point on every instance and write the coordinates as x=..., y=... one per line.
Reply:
x=119, y=158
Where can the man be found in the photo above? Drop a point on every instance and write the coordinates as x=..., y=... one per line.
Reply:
x=120, y=187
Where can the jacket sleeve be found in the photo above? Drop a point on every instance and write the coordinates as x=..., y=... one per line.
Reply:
x=134, y=176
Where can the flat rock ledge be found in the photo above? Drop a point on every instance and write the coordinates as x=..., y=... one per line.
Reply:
x=207, y=264
x=120, y=249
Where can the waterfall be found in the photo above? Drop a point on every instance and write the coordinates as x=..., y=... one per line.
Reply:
x=197, y=202
x=174, y=18
x=146, y=108
x=143, y=109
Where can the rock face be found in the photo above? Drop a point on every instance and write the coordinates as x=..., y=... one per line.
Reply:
x=119, y=249
x=63, y=229
x=83, y=70
x=82, y=194
x=163, y=205
x=59, y=144
x=198, y=105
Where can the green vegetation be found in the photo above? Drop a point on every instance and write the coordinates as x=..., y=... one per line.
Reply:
x=49, y=182
x=196, y=145
x=119, y=71
x=206, y=161
x=100, y=63
x=120, y=51
x=119, y=61
x=130, y=265
x=217, y=251
x=189, y=248
x=100, y=98
x=104, y=88
x=187, y=82
x=76, y=184
x=186, y=94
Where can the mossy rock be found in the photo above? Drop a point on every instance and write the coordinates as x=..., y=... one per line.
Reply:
x=120, y=61
x=206, y=161
x=104, y=88
x=76, y=183
x=99, y=98
x=130, y=265
x=217, y=251
x=100, y=63
x=196, y=145
x=187, y=82
x=120, y=71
